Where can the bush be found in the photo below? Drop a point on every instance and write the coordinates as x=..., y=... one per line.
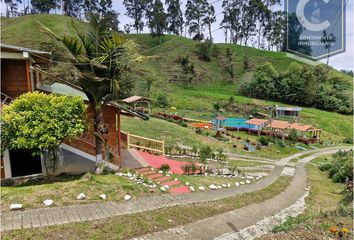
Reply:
x=293, y=136
x=348, y=140
x=183, y=124
x=264, y=141
x=162, y=101
x=203, y=50
x=165, y=167
x=340, y=168
x=189, y=168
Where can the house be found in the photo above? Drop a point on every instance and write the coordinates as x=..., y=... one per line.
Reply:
x=20, y=74
x=287, y=112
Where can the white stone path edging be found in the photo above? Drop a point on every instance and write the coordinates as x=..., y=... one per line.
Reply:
x=86, y=212
x=266, y=225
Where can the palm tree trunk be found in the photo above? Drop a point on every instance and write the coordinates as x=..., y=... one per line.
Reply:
x=98, y=117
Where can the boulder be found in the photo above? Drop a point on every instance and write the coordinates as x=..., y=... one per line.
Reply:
x=201, y=189
x=191, y=188
x=219, y=187
x=248, y=181
x=81, y=196
x=213, y=187
x=242, y=183
x=223, y=185
x=103, y=196
x=127, y=197
x=163, y=189
x=15, y=206
x=48, y=202
x=187, y=183
x=237, y=184
x=228, y=185
x=165, y=186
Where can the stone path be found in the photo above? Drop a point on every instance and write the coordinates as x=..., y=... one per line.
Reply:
x=86, y=212
x=228, y=225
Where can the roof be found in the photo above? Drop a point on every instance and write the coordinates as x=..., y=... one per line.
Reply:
x=135, y=99
x=300, y=127
x=278, y=124
x=220, y=118
x=129, y=112
x=256, y=121
x=22, y=49
x=289, y=109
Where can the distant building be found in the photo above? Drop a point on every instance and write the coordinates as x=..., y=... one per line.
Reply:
x=287, y=112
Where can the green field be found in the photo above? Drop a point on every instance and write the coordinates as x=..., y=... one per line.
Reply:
x=211, y=84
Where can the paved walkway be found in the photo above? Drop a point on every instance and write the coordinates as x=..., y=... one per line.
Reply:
x=227, y=225
x=86, y=212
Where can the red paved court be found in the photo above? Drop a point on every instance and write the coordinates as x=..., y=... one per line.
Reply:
x=156, y=161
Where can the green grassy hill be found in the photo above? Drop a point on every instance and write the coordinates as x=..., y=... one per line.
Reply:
x=212, y=83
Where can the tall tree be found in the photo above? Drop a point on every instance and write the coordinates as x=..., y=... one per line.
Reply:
x=135, y=10
x=157, y=21
x=174, y=17
x=72, y=7
x=248, y=21
x=43, y=6
x=195, y=12
x=232, y=19
x=11, y=7
x=209, y=19
x=99, y=59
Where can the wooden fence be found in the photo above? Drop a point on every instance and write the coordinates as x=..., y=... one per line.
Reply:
x=129, y=141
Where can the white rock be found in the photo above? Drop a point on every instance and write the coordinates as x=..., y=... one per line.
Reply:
x=129, y=174
x=219, y=187
x=213, y=187
x=248, y=181
x=120, y=174
x=168, y=175
x=228, y=185
x=81, y=196
x=163, y=189
x=187, y=183
x=48, y=202
x=15, y=206
x=176, y=179
x=201, y=189
x=237, y=184
x=160, y=171
x=127, y=197
x=223, y=185
x=242, y=183
x=131, y=178
x=165, y=186
x=103, y=196
x=191, y=188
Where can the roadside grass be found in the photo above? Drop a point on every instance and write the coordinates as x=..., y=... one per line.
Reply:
x=65, y=190
x=327, y=205
x=128, y=226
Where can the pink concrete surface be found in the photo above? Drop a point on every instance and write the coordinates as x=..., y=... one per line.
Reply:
x=171, y=183
x=156, y=161
x=179, y=190
x=162, y=179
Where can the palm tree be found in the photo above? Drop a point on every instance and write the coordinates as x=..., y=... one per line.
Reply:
x=99, y=58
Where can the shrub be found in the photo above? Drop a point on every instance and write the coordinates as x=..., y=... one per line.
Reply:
x=162, y=101
x=340, y=168
x=165, y=167
x=194, y=167
x=293, y=136
x=203, y=50
x=264, y=141
x=186, y=168
x=183, y=124
x=348, y=140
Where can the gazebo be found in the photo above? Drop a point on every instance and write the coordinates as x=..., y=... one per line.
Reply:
x=278, y=127
x=219, y=122
x=138, y=103
x=314, y=133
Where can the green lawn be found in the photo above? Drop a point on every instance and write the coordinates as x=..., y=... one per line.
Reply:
x=66, y=189
x=128, y=226
x=327, y=206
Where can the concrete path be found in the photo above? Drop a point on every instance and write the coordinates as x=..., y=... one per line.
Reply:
x=86, y=212
x=227, y=225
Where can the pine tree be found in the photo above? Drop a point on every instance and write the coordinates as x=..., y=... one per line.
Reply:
x=174, y=17
x=157, y=22
x=135, y=10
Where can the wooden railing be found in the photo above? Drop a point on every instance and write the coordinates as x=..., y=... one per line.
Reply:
x=129, y=141
x=5, y=99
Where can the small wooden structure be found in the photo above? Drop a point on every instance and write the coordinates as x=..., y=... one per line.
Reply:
x=258, y=123
x=138, y=103
x=278, y=128
x=219, y=122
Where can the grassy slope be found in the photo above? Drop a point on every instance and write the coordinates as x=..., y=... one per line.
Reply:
x=212, y=83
